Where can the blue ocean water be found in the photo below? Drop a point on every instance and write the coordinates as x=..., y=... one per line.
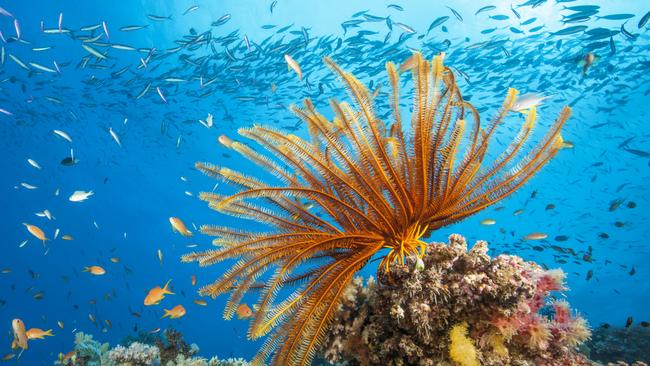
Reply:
x=227, y=58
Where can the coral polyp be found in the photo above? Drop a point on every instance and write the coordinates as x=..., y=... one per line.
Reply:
x=356, y=188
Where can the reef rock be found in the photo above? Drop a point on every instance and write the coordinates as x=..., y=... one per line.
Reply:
x=460, y=308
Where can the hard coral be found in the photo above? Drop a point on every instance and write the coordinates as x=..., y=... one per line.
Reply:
x=137, y=354
x=406, y=318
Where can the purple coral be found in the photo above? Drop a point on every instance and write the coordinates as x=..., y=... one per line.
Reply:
x=405, y=318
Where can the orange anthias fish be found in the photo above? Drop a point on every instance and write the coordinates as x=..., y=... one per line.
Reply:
x=20, y=336
x=156, y=294
x=95, y=270
x=36, y=333
x=244, y=311
x=179, y=227
x=36, y=231
x=175, y=312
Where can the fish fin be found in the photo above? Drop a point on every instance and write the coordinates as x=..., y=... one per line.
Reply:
x=167, y=314
x=48, y=333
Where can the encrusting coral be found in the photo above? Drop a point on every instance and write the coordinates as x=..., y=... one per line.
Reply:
x=462, y=308
x=357, y=187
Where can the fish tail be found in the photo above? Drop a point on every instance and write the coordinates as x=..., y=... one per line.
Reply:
x=48, y=333
x=166, y=290
x=168, y=313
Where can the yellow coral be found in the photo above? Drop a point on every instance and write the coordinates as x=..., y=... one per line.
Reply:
x=499, y=348
x=461, y=348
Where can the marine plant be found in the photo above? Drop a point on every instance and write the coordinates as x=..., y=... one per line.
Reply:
x=356, y=188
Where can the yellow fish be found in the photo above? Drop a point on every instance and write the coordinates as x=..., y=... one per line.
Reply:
x=179, y=227
x=95, y=270
x=20, y=336
x=175, y=312
x=36, y=231
x=488, y=222
x=156, y=294
x=36, y=333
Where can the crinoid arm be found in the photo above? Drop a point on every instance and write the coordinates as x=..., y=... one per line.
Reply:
x=358, y=188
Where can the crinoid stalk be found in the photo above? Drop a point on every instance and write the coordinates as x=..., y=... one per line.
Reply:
x=355, y=187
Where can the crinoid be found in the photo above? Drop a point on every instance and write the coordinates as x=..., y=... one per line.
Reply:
x=357, y=186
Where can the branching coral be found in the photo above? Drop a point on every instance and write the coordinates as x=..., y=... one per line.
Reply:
x=357, y=187
x=463, y=307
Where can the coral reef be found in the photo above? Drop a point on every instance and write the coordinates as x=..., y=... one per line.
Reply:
x=609, y=344
x=137, y=354
x=360, y=185
x=87, y=351
x=142, y=349
x=460, y=302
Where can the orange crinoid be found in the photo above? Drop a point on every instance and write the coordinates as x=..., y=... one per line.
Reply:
x=357, y=186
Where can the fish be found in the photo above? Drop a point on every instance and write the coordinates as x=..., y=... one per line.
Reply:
x=190, y=9
x=114, y=136
x=176, y=312
x=437, y=22
x=613, y=205
x=644, y=20
x=105, y=27
x=20, y=335
x=193, y=280
x=132, y=28
x=156, y=294
x=17, y=28
x=160, y=93
x=95, y=270
x=36, y=232
x=570, y=30
x=93, y=52
x=5, y=13
x=456, y=13
x=19, y=62
x=629, y=321
x=485, y=9
x=616, y=16
x=536, y=236
x=41, y=67
x=527, y=101
x=590, y=274
x=488, y=222
x=158, y=18
x=587, y=61
x=636, y=152
x=179, y=226
x=201, y=302
x=222, y=20
x=63, y=135
x=33, y=163
x=292, y=64
x=243, y=311
x=36, y=333
x=80, y=196
x=160, y=256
